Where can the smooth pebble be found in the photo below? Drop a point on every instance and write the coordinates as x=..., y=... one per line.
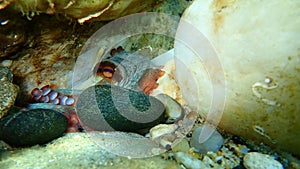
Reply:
x=255, y=160
x=213, y=143
x=109, y=107
x=31, y=127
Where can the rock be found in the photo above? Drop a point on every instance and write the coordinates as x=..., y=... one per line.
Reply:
x=189, y=161
x=105, y=107
x=31, y=127
x=165, y=135
x=213, y=143
x=162, y=129
x=8, y=91
x=174, y=111
x=76, y=151
x=83, y=10
x=254, y=87
x=182, y=146
x=255, y=160
x=12, y=33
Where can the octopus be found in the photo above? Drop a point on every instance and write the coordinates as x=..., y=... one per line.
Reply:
x=123, y=69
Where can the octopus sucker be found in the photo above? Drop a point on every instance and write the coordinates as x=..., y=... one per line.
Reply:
x=47, y=95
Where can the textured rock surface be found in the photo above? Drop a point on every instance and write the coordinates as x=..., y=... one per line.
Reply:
x=12, y=33
x=256, y=160
x=76, y=150
x=8, y=91
x=36, y=126
x=83, y=10
x=260, y=82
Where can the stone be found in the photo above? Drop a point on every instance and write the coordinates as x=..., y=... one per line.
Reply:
x=182, y=146
x=189, y=161
x=82, y=10
x=255, y=160
x=162, y=129
x=8, y=91
x=12, y=33
x=228, y=66
x=212, y=143
x=31, y=127
x=106, y=107
x=174, y=111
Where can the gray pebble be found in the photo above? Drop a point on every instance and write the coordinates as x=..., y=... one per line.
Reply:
x=213, y=143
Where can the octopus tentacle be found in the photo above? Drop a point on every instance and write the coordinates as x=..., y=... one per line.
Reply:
x=46, y=95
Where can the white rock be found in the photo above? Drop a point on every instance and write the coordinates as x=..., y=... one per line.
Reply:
x=162, y=129
x=245, y=55
x=256, y=160
x=6, y=63
x=189, y=161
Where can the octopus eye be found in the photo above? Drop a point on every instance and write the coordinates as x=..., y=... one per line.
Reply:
x=108, y=72
x=105, y=69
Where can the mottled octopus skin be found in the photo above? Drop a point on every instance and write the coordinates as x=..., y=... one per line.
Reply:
x=131, y=71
